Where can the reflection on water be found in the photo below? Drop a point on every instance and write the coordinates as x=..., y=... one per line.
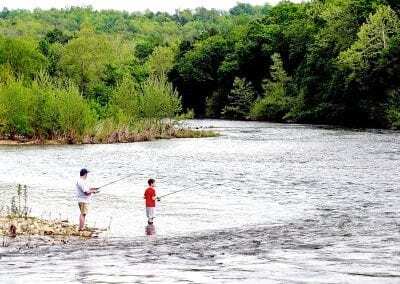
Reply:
x=265, y=202
x=150, y=230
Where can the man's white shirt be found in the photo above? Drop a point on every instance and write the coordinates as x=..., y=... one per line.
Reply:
x=82, y=188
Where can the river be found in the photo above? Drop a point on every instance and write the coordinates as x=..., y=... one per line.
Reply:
x=265, y=203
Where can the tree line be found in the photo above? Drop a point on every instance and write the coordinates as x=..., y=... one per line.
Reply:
x=322, y=61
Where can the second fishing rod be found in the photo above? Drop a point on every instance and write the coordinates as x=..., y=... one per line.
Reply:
x=158, y=198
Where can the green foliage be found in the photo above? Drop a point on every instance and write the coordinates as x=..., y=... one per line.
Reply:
x=161, y=61
x=338, y=63
x=75, y=116
x=42, y=110
x=243, y=9
x=159, y=99
x=16, y=107
x=196, y=72
x=154, y=98
x=240, y=99
x=22, y=55
x=275, y=104
x=371, y=66
x=95, y=52
x=373, y=39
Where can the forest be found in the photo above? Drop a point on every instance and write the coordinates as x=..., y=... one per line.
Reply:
x=79, y=72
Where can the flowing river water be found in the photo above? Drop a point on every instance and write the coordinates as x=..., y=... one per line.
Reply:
x=265, y=203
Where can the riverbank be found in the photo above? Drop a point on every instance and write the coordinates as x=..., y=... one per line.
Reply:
x=120, y=136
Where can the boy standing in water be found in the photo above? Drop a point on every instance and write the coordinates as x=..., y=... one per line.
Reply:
x=150, y=197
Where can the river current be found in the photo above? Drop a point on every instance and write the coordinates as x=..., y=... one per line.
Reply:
x=263, y=203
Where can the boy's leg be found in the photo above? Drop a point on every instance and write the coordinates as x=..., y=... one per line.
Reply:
x=150, y=213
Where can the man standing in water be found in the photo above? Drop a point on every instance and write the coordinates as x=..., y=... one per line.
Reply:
x=84, y=194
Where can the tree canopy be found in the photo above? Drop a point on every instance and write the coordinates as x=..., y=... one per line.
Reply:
x=321, y=61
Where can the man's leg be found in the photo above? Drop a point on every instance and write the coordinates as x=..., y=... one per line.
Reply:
x=82, y=221
x=83, y=207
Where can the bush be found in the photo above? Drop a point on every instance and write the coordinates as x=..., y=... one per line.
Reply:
x=16, y=109
x=22, y=56
x=125, y=102
x=75, y=116
x=155, y=98
x=273, y=107
x=159, y=99
x=42, y=110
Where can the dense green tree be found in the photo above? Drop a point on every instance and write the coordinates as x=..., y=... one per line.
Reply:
x=95, y=53
x=275, y=103
x=366, y=62
x=196, y=75
x=240, y=99
x=22, y=55
x=242, y=9
x=338, y=63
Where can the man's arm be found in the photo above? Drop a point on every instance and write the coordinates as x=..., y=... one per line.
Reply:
x=94, y=190
x=89, y=190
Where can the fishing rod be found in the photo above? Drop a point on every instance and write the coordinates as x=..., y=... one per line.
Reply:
x=115, y=181
x=171, y=193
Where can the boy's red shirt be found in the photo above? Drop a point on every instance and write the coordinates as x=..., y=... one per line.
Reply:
x=148, y=195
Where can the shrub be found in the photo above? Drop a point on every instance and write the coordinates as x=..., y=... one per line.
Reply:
x=75, y=116
x=42, y=110
x=155, y=98
x=16, y=109
x=22, y=55
x=159, y=99
x=272, y=107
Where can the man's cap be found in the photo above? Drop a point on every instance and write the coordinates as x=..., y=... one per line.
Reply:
x=83, y=172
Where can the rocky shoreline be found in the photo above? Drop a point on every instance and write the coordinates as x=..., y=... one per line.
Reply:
x=18, y=227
